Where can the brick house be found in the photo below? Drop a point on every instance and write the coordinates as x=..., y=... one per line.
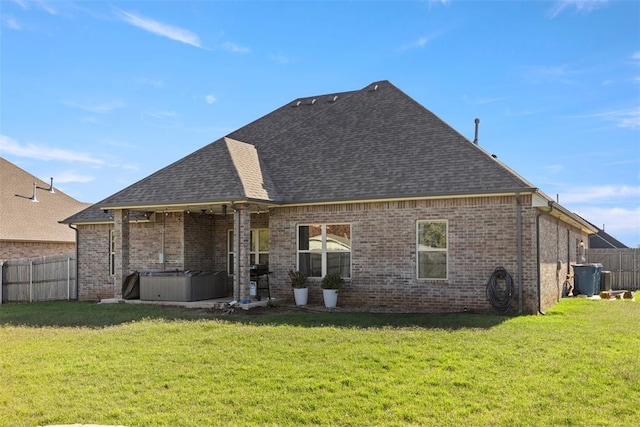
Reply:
x=30, y=215
x=367, y=183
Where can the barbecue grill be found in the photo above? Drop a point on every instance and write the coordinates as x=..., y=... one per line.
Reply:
x=257, y=272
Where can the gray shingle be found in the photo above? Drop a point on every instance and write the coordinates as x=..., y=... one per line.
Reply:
x=373, y=143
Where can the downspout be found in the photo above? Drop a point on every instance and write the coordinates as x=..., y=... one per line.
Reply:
x=236, y=248
x=568, y=254
x=519, y=244
x=538, y=254
x=77, y=263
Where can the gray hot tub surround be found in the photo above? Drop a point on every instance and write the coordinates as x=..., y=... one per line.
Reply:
x=179, y=285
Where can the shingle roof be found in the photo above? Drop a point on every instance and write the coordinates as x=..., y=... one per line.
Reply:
x=604, y=240
x=373, y=143
x=21, y=219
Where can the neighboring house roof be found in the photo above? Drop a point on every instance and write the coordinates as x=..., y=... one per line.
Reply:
x=371, y=144
x=603, y=240
x=24, y=220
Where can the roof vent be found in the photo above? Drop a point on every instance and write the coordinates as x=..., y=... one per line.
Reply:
x=298, y=104
x=33, y=197
x=51, y=190
x=335, y=98
x=375, y=87
x=313, y=101
x=477, y=121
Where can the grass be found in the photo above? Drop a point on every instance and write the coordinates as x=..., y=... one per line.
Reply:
x=133, y=365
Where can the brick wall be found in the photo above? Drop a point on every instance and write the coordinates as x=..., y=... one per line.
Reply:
x=94, y=279
x=198, y=237
x=17, y=250
x=558, y=251
x=482, y=236
x=185, y=240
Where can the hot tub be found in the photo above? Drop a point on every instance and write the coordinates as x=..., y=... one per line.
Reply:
x=178, y=285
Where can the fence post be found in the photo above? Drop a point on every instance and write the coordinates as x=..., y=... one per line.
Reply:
x=1, y=276
x=30, y=280
x=636, y=279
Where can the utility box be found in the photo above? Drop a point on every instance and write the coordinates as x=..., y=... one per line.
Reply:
x=605, y=280
x=587, y=279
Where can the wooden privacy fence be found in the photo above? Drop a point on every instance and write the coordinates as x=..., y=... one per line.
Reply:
x=39, y=279
x=624, y=265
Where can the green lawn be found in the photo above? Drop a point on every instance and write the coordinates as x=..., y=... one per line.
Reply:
x=66, y=362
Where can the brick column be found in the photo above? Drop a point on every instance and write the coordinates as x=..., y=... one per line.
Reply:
x=242, y=226
x=121, y=229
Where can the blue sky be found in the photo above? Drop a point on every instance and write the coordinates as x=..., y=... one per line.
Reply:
x=101, y=94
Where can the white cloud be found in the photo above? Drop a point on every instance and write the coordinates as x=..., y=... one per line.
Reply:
x=95, y=108
x=21, y=3
x=582, y=6
x=616, y=206
x=210, y=98
x=232, y=47
x=433, y=3
x=542, y=73
x=553, y=169
x=485, y=100
x=158, y=28
x=599, y=193
x=629, y=118
x=161, y=114
x=117, y=143
x=43, y=152
x=152, y=82
x=11, y=23
x=72, y=176
x=420, y=43
x=424, y=40
x=617, y=221
x=282, y=59
x=90, y=119
x=46, y=7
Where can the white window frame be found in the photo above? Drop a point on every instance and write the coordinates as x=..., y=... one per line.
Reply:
x=254, y=253
x=430, y=249
x=323, y=262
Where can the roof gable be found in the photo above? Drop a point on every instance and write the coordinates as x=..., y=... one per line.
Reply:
x=222, y=171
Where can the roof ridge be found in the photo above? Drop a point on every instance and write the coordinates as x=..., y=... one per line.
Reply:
x=298, y=123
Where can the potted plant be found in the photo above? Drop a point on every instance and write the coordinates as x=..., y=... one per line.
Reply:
x=299, y=285
x=330, y=285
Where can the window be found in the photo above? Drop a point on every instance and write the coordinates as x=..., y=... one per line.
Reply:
x=324, y=249
x=259, y=253
x=432, y=242
x=112, y=252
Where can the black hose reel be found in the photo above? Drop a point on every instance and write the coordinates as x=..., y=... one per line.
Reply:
x=500, y=290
